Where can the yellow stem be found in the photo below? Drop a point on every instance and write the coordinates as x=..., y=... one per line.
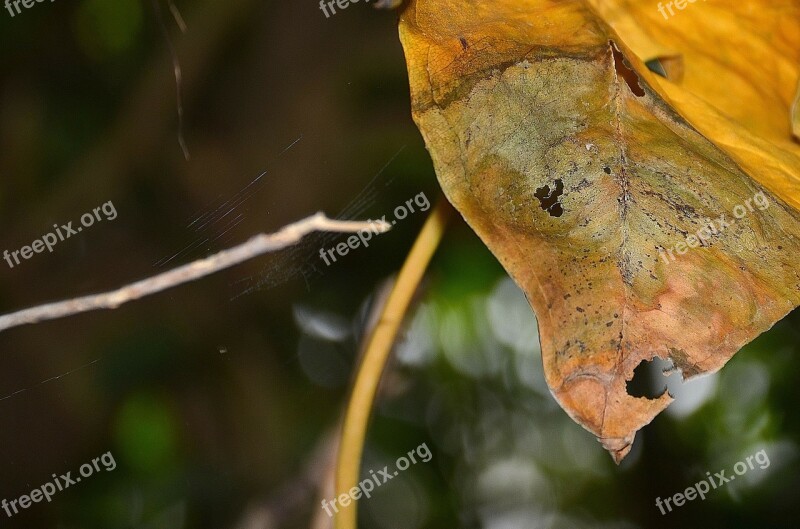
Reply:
x=354, y=429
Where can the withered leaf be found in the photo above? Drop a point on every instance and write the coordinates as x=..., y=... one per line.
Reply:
x=796, y=114
x=640, y=219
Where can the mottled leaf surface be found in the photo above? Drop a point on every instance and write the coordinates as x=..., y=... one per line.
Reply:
x=579, y=168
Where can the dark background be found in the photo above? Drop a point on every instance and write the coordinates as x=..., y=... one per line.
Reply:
x=214, y=397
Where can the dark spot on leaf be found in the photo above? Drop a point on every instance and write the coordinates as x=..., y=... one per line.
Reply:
x=464, y=44
x=607, y=170
x=581, y=185
x=549, y=199
x=680, y=359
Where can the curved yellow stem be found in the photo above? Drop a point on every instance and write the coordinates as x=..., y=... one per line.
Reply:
x=359, y=407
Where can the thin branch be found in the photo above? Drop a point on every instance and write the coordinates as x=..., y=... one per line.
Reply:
x=256, y=246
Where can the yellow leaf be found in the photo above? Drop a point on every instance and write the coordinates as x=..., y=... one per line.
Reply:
x=796, y=114
x=741, y=75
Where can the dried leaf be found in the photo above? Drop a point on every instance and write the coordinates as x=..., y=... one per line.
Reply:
x=580, y=169
x=796, y=114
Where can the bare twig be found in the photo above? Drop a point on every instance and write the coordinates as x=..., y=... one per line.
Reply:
x=258, y=245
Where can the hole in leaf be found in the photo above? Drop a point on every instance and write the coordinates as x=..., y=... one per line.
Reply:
x=625, y=72
x=549, y=199
x=648, y=380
